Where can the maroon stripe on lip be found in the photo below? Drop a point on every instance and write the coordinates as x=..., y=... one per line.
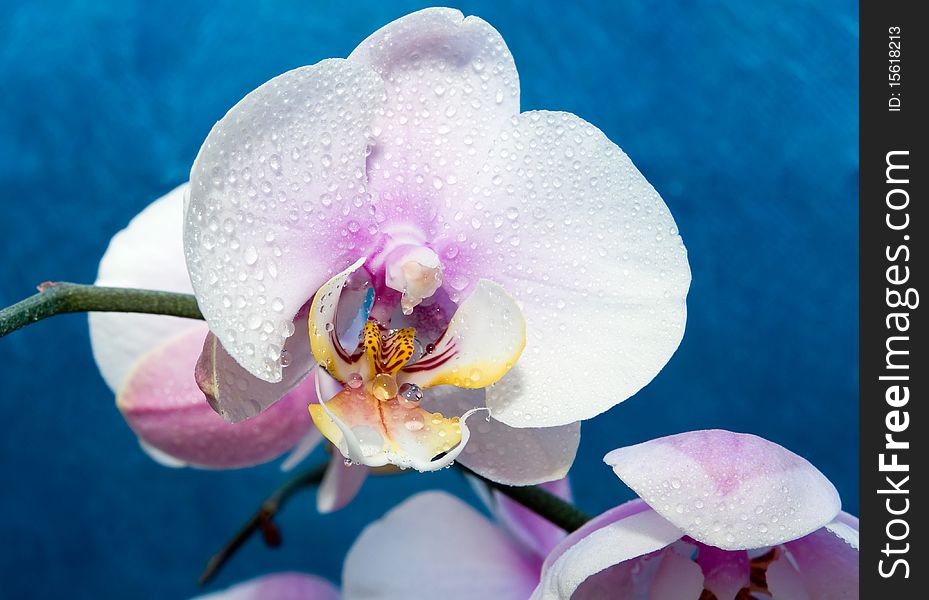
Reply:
x=435, y=360
x=338, y=347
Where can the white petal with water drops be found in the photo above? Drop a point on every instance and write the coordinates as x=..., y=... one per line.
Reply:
x=597, y=267
x=274, y=186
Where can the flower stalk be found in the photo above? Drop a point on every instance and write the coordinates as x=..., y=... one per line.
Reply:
x=263, y=520
x=56, y=298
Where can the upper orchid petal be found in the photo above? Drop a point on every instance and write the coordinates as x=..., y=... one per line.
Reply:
x=148, y=253
x=451, y=84
x=271, y=192
x=340, y=484
x=729, y=490
x=524, y=456
x=627, y=532
x=435, y=546
x=566, y=223
x=820, y=566
x=163, y=405
x=279, y=586
x=482, y=342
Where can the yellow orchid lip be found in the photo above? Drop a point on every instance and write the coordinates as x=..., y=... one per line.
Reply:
x=375, y=418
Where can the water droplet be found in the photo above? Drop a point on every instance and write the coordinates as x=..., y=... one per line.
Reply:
x=251, y=255
x=384, y=387
x=410, y=395
x=414, y=422
x=354, y=381
x=286, y=358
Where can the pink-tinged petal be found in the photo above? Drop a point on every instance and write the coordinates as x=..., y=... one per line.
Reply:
x=148, y=253
x=435, y=546
x=784, y=582
x=340, y=484
x=730, y=490
x=725, y=572
x=536, y=533
x=163, y=405
x=277, y=183
x=235, y=393
x=278, y=586
x=824, y=563
x=451, y=85
x=483, y=341
x=506, y=454
x=563, y=220
x=677, y=578
x=625, y=533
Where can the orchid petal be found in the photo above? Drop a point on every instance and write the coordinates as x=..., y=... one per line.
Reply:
x=263, y=226
x=279, y=586
x=569, y=226
x=163, y=405
x=482, y=342
x=729, y=490
x=340, y=484
x=162, y=458
x=451, y=85
x=457, y=554
x=324, y=338
x=536, y=533
x=505, y=454
x=785, y=583
x=826, y=563
x=725, y=572
x=148, y=253
x=235, y=393
x=677, y=578
x=613, y=542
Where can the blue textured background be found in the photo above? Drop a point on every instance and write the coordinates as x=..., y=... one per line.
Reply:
x=743, y=114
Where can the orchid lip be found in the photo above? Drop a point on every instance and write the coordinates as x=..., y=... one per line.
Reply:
x=376, y=418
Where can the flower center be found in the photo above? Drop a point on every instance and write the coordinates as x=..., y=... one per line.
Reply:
x=415, y=271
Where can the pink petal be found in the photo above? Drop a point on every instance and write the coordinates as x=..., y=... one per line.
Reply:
x=729, y=490
x=618, y=536
x=827, y=566
x=725, y=572
x=536, y=533
x=163, y=405
x=278, y=586
x=677, y=578
x=275, y=192
x=235, y=393
x=340, y=484
x=506, y=454
x=435, y=546
x=451, y=85
x=148, y=253
x=592, y=254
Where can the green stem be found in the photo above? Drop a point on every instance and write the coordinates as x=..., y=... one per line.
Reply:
x=540, y=501
x=262, y=520
x=59, y=298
